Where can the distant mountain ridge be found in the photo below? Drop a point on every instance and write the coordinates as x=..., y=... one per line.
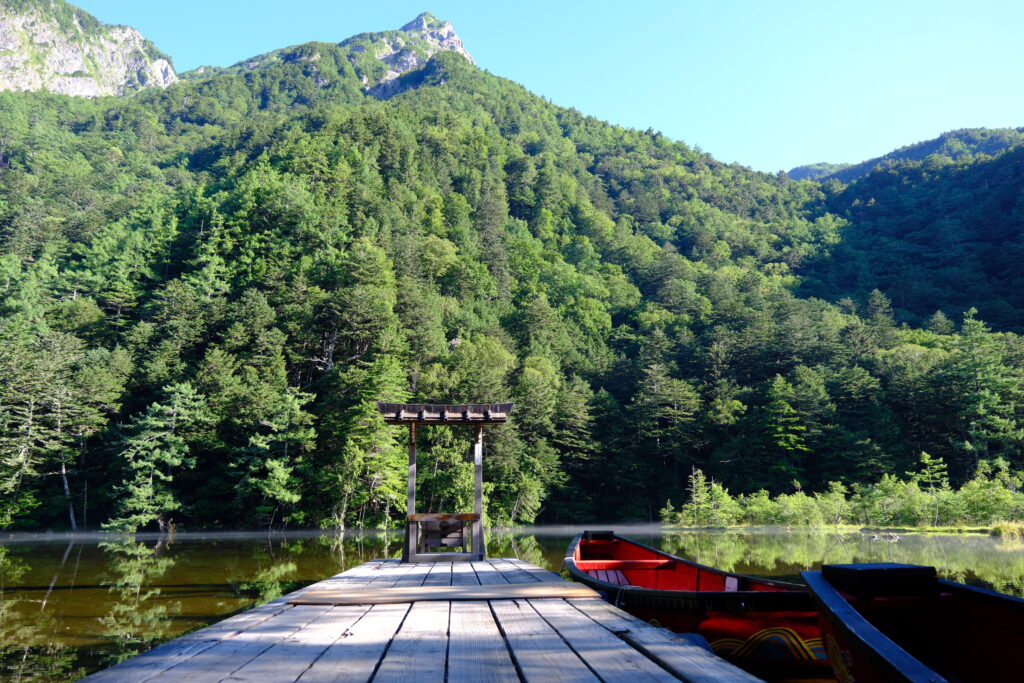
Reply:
x=956, y=145
x=51, y=45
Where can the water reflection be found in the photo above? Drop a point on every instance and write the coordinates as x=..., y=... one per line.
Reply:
x=524, y=547
x=967, y=558
x=24, y=615
x=136, y=618
x=74, y=606
x=77, y=604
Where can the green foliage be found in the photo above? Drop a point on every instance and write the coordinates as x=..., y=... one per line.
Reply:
x=965, y=144
x=68, y=17
x=931, y=236
x=710, y=504
x=153, y=449
x=923, y=499
x=205, y=289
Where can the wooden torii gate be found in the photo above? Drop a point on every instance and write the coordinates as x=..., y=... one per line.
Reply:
x=441, y=529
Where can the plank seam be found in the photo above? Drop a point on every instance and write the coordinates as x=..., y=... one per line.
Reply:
x=259, y=653
x=447, y=640
x=504, y=639
x=278, y=607
x=341, y=635
x=211, y=643
x=564, y=639
x=622, y=636
x=384, y=653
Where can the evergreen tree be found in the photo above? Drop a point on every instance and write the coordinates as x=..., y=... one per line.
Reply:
x=987, y=393
x=934, y=477
x=785, y=434
x=153, y=449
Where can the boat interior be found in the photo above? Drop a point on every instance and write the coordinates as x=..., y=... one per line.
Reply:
x=621, y=562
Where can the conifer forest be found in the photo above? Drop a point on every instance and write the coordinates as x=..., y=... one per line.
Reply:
x=205, y=289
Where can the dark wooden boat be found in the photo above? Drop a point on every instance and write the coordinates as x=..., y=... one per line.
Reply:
x=899, y=622
x=768, y=627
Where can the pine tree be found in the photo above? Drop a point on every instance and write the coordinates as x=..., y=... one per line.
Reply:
x=986, y=392
x=785, y=431
x=664, y=410
x=153, y=449
x=361, y=470
x=697, y=510
x=935, y=478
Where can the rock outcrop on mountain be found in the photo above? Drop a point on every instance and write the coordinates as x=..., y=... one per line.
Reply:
x=408, y=51
x=385, y=62
x=51, y=45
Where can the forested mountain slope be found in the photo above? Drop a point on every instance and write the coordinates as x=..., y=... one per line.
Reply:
x=933, y=235
x=206, y=288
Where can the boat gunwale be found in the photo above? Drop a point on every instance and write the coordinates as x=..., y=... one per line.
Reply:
x=888, y=655
x=980, y=593
x=693, y=598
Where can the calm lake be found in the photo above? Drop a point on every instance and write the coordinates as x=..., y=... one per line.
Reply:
x=73, y=604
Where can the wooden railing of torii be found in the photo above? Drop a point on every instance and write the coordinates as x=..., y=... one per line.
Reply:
x=427, y=531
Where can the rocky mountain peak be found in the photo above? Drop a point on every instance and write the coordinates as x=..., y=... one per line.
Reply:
x=438, y=33
x=424, y=22
x=382, y=58
x=51, y=45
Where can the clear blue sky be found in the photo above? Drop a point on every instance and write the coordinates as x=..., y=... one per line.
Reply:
x=768, y=83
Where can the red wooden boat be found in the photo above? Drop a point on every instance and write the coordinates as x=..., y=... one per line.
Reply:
x=898, y=622
x=767, y=627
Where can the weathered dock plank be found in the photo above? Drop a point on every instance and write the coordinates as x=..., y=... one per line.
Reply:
x=440, y=575
x=152, y=663
x=512, y=572
x=463, y=574
x=289, y=659
x=678, y=653
x=611, y=658
x=232, y=654
x=358, y=650
x=476, y=650
x=539, y=652
x=163, y=657
x=420, y=647
x=487, y=574
x=370, y=595
x=416, y=575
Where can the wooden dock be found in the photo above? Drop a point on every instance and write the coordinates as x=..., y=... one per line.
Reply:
x=437, y=639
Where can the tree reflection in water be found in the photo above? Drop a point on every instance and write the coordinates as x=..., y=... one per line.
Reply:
x=137, y=618
x=969, y=558
x=30, y=645
x=518, y=545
